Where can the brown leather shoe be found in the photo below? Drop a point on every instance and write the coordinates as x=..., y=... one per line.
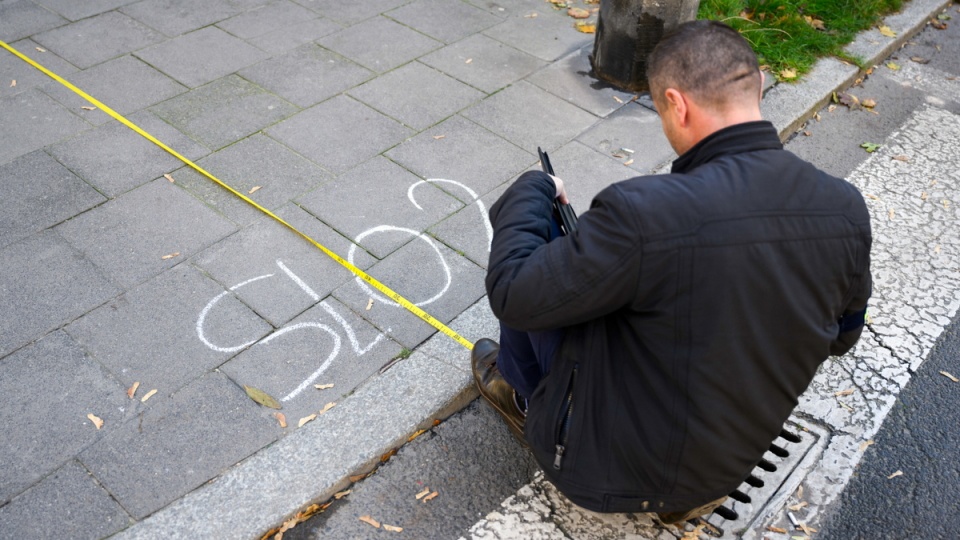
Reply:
x=494, y=389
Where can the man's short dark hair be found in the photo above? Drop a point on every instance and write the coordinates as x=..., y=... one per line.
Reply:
x=706, y=59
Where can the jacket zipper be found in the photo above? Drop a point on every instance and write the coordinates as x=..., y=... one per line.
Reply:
x=565, y=423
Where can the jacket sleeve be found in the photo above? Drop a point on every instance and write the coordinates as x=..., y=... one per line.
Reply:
x=537, y=284
x=856, y=309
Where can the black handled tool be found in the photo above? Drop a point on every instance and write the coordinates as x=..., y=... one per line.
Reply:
x=563, y=211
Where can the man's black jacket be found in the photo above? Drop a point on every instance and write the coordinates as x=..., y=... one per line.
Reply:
x=697, y=306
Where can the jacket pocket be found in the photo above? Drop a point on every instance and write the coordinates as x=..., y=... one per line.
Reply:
x=565, y=417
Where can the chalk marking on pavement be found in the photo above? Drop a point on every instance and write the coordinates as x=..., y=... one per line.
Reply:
x=361, y=275
x=296, y=279
x=480, y=205
x=349, y=330
x=209, y=306
x=390, y=228
x=323, y=367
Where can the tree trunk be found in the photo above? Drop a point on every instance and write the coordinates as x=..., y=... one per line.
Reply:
x=627, y=32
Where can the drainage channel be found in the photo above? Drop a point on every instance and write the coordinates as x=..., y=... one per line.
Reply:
x=766, y=492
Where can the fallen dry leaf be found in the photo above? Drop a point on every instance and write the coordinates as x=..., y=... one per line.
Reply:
x=133, y=389
x=817, y=24
x=800, y=492
x=369, y=304
x=323, y=386
x=846, y=392
x=430, y=497
x=416, y=434
x=887, y=31
x=865, y=444
x=170, y=178
x=920, y=59
x=618, y=100
x=578, y=13
x=88, y=108
x=808, y=530
x=869, y=103
x=893, y=66
x=807, y=134
x=788, y=74
x=40, y=49
x=939, y=25
x=438, y=137
x=148, y=395
x=585, y=27
x=892, y=213
x=370, y=521
x=776, y=529
x=949, y=376
x=530, y=16
x=171, y=255
x=872, y=196
x=13, y=83
x=359, y=477
x=946, y=203
x=387, y=455
x=423, y=493
x=253, y=190
x=901, y=157
x=261, y=397
x=845, y=406
x=327, y=407
x=628, y=162
x=392, y=528
x=305, y=419
x=936, y=250
x=468, y=60
x=831, y=108
x=281, y=418
x=851, y=101
x=894, y=475
x=97, y=421
x=798, y=506
x=341, y=494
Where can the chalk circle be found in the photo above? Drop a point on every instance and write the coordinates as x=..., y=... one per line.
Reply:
x=484, y=216
x=390, y=228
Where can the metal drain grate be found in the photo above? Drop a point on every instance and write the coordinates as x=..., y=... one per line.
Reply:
x=759, y=500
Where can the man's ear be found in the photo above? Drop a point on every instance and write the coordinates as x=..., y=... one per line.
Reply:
x=678, y=102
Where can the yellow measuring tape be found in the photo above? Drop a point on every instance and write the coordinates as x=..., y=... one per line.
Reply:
x=410, y=306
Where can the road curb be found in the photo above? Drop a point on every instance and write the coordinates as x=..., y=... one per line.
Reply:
x=312, y=464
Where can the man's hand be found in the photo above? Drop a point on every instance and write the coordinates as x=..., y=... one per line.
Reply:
x=561, y=191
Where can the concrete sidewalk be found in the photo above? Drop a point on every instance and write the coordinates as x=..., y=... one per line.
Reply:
x=382, y=129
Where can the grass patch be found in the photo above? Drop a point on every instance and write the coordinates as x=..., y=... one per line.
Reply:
x=790, y=35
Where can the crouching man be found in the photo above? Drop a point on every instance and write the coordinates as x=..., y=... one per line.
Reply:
x=650, y=358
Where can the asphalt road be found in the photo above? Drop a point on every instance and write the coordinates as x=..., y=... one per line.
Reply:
x=921, y=439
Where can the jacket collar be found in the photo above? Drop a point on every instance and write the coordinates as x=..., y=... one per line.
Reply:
x=745, y=137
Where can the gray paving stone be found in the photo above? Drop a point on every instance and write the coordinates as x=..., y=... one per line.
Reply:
x=116, y=159
x=202, y=431
x=154, y=332
x=307, y=75
x=635, y=128
x=300, y=274
x=339, y=133
x=45, y=283
x=266, y=18
x=128, y=237
x=224, y=111
x=380, y=44
x=67, y=504
x=511, y=8
x=548, y=36
x=585, y=172
x=442, y=287
x=201, y=56
x=40, y=194
x=294, y=35
x=328, y=344
x=417, y=95
x=74, y=10
x=175, y=17
x=349, y=13
x=376, y=194
x=91, y=41
x=257, y=161
x=27, y=76
x=124, y=84
x=492, y=65
x=464, y=152
x=22, y=18
x=445, y=20
x=39, y=121
x=570, y=79
x=469, y=231
x=50, y=387
x=530, y=117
